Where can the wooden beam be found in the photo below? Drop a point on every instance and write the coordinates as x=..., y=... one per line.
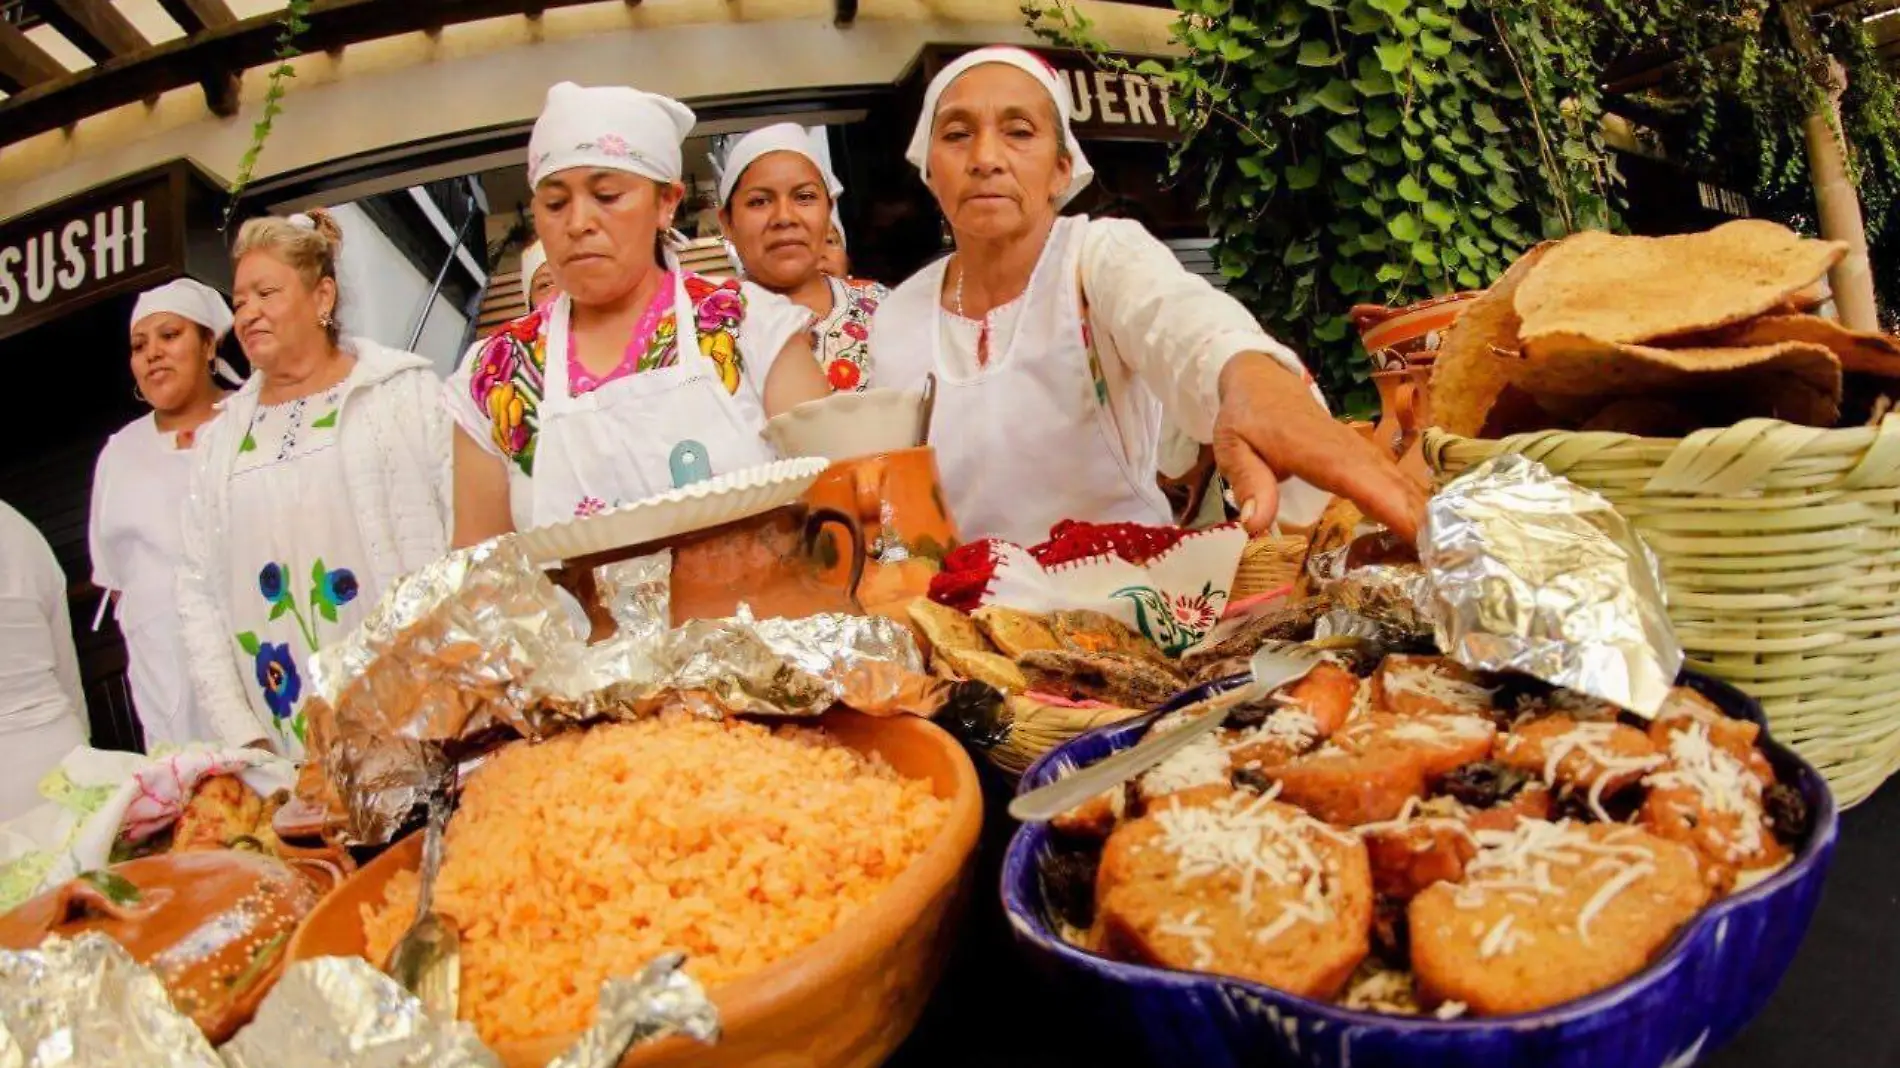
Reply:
x=23, y=63
x=95, y=27
x=334, y=24
x=196, y=16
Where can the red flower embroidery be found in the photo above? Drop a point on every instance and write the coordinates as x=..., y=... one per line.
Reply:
x=843, y=375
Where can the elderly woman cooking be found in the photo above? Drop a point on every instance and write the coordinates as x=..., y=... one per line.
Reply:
x=1058, y=342
x=637, y=377
x=778, y=204
x=138, y=491
x=320, y=485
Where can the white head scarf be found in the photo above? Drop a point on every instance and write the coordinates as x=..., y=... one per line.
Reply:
x=1029, y=63
x=782, y=137
x=611, y=127
x=192, y=300
x=533, y=258
x=187, y=298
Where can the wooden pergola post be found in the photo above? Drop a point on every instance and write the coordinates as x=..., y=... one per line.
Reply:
x=1838, y=206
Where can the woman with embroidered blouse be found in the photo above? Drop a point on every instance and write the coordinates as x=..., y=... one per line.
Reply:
x=322, y=482
x=778, y=206
x=637, y=377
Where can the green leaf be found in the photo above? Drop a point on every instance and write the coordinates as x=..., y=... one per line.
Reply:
x=1362, y=20
x=1302, y=106
x=1469, y=278
x=1346, y=277
x=1250, y=167
x=1468, y=248
x=1333, y=329
x=1487, y=118
x=1359, y=172
x=1391, y=272
x=1381, y=119
x=1431, y=19
x=1412, y=151
x=1276, y=79
x=1496, y=159
x=1305, y=174
x=1298, y=254
x=1444, y=145
x=1233, y=51
x=328, y=610
x=249, y=444
x=1462, y=34
x=1394, y=58
x=1151, y=68
x=1379, y=83
x=277, y=610
x=1424, y=253
x=1442, y=176
x=1438, y=214
x=1392, y=8
x=117, y=888
x=1317, y=53
x=1337, y=97
x=1404, y=226
x=1470, y=166
x=1386, y=155
x=248, y=642
x=1346, y=137
x=1433, y=45
x=317, y=571
x=1411, y=190
x=325, y=422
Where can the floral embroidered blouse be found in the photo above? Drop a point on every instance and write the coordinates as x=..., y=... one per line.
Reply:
x=842, y=340
x=495, y=396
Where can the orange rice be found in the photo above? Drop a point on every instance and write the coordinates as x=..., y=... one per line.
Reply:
x=586, y=856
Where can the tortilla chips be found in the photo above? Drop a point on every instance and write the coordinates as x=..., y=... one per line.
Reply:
x=1655, y=335
x=1639, y=289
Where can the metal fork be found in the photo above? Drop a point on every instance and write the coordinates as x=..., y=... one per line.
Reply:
x=1271, y=668
x=428, y=959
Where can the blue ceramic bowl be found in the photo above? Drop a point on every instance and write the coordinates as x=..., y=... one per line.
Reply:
x=1716, y=975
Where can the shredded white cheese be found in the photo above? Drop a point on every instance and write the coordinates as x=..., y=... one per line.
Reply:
x=1197, y=935
x=1426, y=682
x=1722, y=782
x=1202, y=762
x=1257, y=840
x=1451, y=1010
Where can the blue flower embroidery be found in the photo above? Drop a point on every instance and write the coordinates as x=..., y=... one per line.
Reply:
x=270, y=582
x=277, y=675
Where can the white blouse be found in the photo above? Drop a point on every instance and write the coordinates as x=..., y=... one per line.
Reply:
x=1168, y=327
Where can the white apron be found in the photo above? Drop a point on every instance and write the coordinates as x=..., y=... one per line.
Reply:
x=1028, y=441
x=643, y=433
x=136, y=545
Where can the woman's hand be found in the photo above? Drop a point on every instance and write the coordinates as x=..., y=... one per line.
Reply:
x=1269, y=428
x=481, y=507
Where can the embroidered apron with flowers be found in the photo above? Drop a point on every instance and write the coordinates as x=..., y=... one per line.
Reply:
x=1027, y=441
x=643, y=433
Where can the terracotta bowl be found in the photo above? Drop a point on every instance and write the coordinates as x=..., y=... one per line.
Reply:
x=845, y=1001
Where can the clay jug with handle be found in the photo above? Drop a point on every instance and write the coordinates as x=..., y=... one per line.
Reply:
x=1402, y=344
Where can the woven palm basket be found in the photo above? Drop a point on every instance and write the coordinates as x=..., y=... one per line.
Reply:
x=1269, y=562
x=1780, y=547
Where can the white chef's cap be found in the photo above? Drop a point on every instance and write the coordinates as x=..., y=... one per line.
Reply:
x=188, y=299
x=533, y=258
x=781, y=137
x=611, y=127
x=1029, y=63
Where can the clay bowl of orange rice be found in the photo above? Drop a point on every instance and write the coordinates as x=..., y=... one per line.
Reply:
x=813, y=877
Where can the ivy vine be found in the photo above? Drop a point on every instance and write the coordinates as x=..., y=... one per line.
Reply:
x=291, y=25
x=1357, y=151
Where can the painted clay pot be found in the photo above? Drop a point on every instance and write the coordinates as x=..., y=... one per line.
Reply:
x=776, y=563
x=897, y=498
x=1403, y=343
x=214, y=924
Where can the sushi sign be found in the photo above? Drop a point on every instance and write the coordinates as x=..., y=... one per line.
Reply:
x=118, y=238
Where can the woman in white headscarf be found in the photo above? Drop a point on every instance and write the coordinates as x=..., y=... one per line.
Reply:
x=138, y=494
x=537, y=278
x=1059, y=342
x=778, y=201
x=638, y=376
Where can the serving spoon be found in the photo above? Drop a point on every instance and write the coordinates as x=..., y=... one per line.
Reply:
x=427, y=961
x=1272, y=667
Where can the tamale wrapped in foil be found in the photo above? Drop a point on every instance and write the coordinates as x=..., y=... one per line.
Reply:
x=85, y=1003
x=662, y=1000
x=337, y=1011
x=1531, y=572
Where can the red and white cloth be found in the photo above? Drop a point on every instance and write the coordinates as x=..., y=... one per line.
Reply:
x=1167, y=584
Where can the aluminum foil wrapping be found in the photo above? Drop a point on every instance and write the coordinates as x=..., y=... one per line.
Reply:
x=741, y=665
x=336, y=1011
x=1530, y=572
x=638, y=593
x=85, y=1003
x=662, y=1000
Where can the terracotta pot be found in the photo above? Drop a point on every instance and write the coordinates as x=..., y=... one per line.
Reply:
x=774, y=562
x=897, y=498
x=1403, y=343
x=845, y=1001
x=187, y=905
